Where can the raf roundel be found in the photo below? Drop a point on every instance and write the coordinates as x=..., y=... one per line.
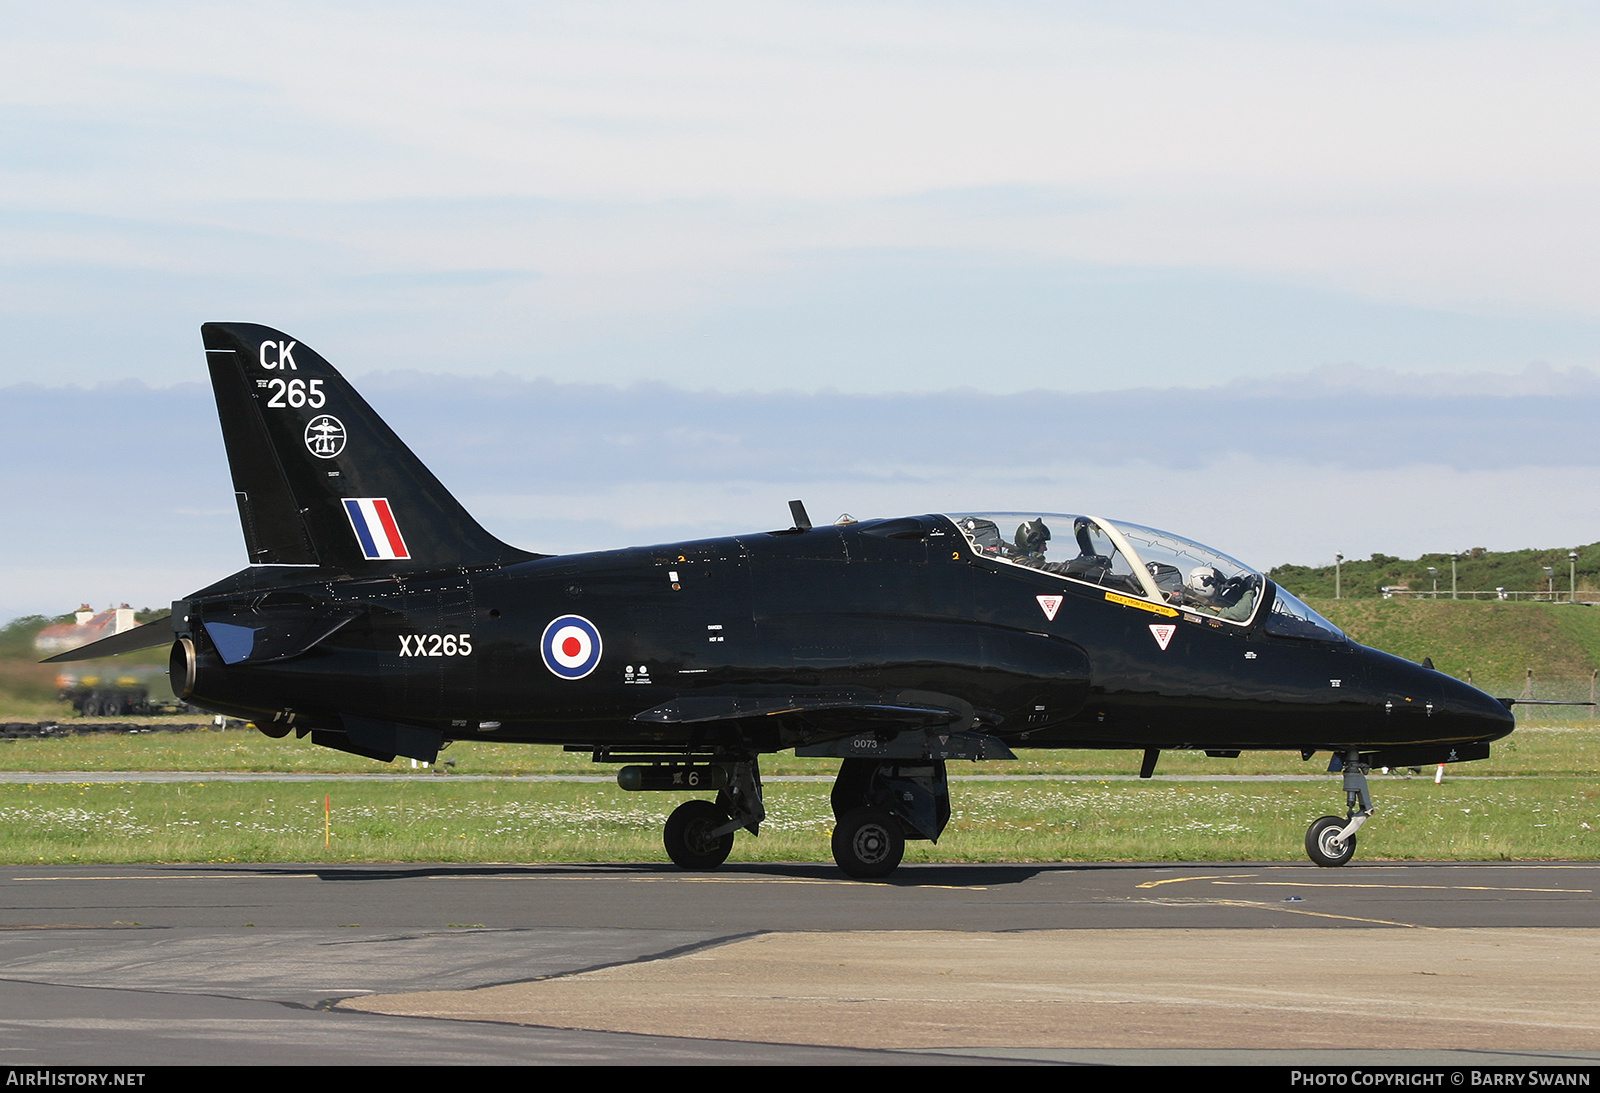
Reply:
x=571, y=646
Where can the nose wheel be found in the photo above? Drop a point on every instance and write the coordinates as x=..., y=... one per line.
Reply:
x=1326, y=844
x=1331, y=841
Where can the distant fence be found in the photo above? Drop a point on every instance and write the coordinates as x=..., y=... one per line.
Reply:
x=1537, y=595
x=1547, y=699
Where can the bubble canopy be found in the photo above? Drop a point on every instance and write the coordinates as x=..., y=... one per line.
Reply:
x=1138, y=561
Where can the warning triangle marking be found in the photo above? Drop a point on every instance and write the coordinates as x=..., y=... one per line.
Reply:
x=1163, y=632
x=1050, y=604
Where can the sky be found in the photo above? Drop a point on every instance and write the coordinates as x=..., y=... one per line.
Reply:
x=1290, y=279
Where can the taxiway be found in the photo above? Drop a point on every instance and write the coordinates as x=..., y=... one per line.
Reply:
x=1458, y=963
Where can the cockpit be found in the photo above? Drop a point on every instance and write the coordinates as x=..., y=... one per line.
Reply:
x=1141, y=562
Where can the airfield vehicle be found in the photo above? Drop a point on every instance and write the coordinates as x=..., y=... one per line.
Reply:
x=112, y=693
x=377, y=617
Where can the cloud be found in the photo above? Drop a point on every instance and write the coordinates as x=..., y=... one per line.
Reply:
x=1290, y=279
x=124, y=489
x=896, y=194
x=861, y=321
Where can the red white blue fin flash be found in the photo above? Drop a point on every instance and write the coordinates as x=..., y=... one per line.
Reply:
x=375, y=528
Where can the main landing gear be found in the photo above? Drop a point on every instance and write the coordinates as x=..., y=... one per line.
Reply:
x=1331, y=841
x=868, y=842
x=878, y=804
x=900, y=793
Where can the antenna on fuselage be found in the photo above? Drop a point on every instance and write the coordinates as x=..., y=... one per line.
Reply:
x=802, y=522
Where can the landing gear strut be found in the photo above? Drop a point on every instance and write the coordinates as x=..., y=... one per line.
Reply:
x=1331, y=841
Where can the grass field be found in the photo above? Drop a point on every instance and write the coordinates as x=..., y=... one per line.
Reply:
x=1540, y=803
x=434, y=819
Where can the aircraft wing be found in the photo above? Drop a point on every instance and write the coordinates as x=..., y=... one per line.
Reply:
x=694, y=709
x=921, y=727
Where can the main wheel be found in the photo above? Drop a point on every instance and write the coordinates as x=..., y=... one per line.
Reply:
x=1324, y=845
x=868, y=842
x=689, y=839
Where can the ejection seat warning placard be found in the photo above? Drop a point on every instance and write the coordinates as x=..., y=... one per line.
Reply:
x=1142, y=605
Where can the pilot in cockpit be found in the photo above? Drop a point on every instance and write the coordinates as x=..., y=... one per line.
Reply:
x=1031, y=542
x=1233, y=598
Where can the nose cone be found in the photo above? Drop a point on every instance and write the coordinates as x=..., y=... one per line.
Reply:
x=1477, y=715
x=1420, y=705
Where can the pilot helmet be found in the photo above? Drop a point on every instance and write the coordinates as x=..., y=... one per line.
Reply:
x=1205, y=580
x=1032, y=536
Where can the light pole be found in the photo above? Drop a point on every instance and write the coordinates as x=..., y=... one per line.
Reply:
x=1433, y=572
x=1338, y=561
x=1453, y=558
x=1551, y=573
x=1572, y=573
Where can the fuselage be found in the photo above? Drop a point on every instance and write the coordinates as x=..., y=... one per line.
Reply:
x=808, y=628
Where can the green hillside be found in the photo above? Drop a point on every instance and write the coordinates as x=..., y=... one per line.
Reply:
x=1497, y=642
x=1476, y=569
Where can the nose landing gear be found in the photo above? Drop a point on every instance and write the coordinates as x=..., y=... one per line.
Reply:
x=1331, y=841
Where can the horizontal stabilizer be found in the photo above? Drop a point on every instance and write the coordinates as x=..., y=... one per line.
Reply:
x=148, y=636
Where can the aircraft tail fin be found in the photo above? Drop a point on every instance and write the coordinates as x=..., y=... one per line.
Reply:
x=320, y=479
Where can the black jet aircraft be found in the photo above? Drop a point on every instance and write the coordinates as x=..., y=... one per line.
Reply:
x=377, y=617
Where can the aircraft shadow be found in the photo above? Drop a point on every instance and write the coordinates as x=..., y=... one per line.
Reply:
x=937, y=875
